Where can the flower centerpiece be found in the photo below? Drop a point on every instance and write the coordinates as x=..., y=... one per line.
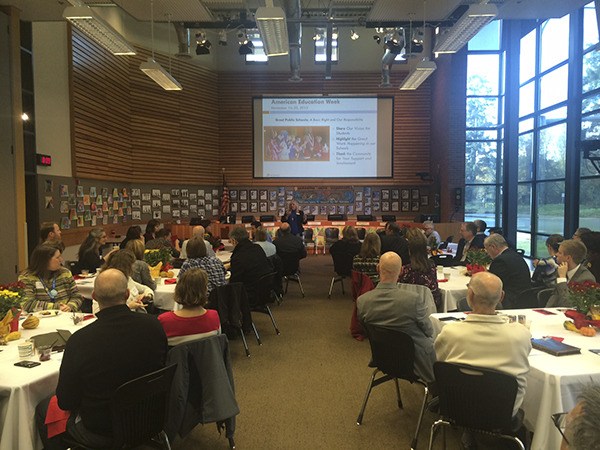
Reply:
x=585, y=298
x=11, y=297
x=158, y=259
x=477, y=260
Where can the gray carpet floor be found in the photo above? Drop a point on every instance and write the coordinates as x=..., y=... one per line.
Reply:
x=303, y=389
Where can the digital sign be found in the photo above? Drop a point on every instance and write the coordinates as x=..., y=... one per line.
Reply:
x=43, y=160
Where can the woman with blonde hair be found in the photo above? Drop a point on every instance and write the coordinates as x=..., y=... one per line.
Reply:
x=367, y=259
x=89, y=255
x=192, y=321
x=140, y=270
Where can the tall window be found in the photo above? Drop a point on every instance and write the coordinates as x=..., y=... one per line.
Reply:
x=258, y=55
x=320, y=39
x=543, y=89
x=485, y=129
x=589, y=215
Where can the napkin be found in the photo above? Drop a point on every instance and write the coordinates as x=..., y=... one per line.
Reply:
x=443, y=280
x=56, y=418
x=170, y=280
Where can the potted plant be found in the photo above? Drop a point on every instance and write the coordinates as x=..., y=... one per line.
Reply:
x=11, y=297
x=585, y=299
x=477, y=261
x=157, y=259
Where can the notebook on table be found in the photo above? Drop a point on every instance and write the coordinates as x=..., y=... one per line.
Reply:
x=554, y=347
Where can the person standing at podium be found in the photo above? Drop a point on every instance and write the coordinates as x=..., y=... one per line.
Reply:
x=295, y=218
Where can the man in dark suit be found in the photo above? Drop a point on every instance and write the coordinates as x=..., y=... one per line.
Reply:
x=511, y=268
x=470, y=240
x=286, y=242
x=393, y=241
x=571, y=253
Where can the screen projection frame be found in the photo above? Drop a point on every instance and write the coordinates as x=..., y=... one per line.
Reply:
x=385, y=137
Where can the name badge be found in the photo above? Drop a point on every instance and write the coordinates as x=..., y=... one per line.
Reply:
x=39, y=285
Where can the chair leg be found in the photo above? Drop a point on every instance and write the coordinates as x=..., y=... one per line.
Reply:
x=256, y=334
x=162, y=440
x=400, y=405
x=364, y=405
x=425, y=396
x=244, y=342
x=287, y=281
x=433, y=431
x=231, y=442
x=272, y=319
x=331, y=287
x=514, y=439
x=300, y=284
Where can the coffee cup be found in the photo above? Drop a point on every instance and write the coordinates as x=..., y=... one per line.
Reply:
x=447, y=274
x=25, y=350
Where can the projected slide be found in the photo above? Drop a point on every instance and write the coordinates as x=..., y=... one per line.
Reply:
x=321, y=137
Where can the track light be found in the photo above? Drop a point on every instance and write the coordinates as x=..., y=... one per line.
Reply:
x=246, y=48
x=203, y=44
x=354, y=35
x=419, y=75
x=394, y=42
x=377, y=38
x=223, y=37
x=476, y=17
x=272, y=26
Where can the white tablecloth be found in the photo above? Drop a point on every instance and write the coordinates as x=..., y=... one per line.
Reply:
x=455, y=288
x=21, y=389
x=553, y=383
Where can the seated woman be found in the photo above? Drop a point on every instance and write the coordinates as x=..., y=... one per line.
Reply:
x=141, y=270
x=197, y=258
x=367, y=259
x=192, y=321
x=421, y=269
x=48, y=285
x=133, y=233
x=152, y=227
x=90, y=257
x=545, y=269
x=139, y=295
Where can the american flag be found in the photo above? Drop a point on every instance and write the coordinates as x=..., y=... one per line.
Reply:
x=224, y=198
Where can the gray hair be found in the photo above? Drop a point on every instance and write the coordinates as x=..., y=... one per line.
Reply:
x=495, y=240
x=487, y=288
x=110, y=288
x=584, y=429
x=239, y=234
x=261, y=234
x=428, y=224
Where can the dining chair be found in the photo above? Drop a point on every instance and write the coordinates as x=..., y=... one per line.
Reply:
x=342, y=266
x=291, y=269
x=392, y=354
x=264, y=295
x=477, y=400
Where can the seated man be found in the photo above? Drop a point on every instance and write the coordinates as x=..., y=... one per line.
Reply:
x=262, y=240
x=198, y=230
x=118, y=347
x=571, y=253
x=248, y=261
x=486, y=339
x=391, y=306
x=393, y=241
x=50, y=233
x=254, y=226
x=470, y=240
x=288, y=242
x=163, y=240
x=510, y=267
x=433, y=237
x=583, y=421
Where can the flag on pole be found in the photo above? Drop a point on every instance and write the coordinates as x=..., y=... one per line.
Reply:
x=224, y=198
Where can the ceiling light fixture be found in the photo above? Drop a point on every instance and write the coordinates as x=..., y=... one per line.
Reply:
x=418, y=75
x=153, y=69
x=377, y=38
x=354, y=35
x=84, y=19
x=203, y=45
x=246, y=45
x=24, y=117
x=272, y=27
x=476, y=17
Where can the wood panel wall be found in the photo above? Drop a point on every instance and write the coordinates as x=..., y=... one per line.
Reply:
x=126, y=127
x=412, y=117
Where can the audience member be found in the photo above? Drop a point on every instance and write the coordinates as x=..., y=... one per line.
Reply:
x=591, y=241
x=368, y=257
x=139, y=295
x=570, y=256
x=545, y=269
x=152, y=227
x=255, y=226
x=133, y=233
x=390, y=306
x=349, y=244
x=288, y=242
x=50, y=233
x=421, y=269
x=116, y=348
x=580, y=232
x=198, y=230
x=198, y=258
x=510, y=267
x=140, y=271
x=262, y=239
x=295, y=219
x=481, y=227
x=393, y=241
x=48, y=285
x=470, y=240
x=581, y=426
x=192, y=321
x=90, y=256
x=163, y=240
x=248, y=261
x=433, y=237
x=486, y=339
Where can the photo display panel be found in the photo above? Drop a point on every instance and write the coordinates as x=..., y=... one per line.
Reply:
x=323, y=137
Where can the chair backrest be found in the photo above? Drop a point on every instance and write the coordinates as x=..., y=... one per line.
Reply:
x=332, y=233
x=443, y=260
x=308, y=234
x=231, y=302
x=361, y=283
x=139, y=408
x=475, y=397
x=520, y=251
x=528, y=298
x=361, y=232
x=290, y=262
x=543, y=296
x=264, y=288
x=392, y=351
x=342, y=263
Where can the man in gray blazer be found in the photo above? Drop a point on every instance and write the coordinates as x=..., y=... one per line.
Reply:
x=391, y=306
x=571, y=253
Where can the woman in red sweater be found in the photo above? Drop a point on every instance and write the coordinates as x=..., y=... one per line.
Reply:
x=192, y=321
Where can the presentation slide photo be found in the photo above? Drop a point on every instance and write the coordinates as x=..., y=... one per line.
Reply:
x=296, y=143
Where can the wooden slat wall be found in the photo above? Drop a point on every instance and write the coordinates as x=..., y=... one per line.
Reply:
x=412, y=114
x=126, y=127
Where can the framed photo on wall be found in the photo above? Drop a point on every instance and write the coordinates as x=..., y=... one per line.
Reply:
x=253, y=195
x=414, y=194
x=233, y=194
x=415, y=206
x=424, y=200
x=385, y=194
x=243, y=207
x=395, y=206
x=405, y=195
x=264, y=195
x=395, y=194
x=253, y=207
x=263, y=206
x=405, y=206
x=243, y=195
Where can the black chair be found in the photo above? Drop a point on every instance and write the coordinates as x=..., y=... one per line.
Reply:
x=361, y=232
x=332, y=235
x=520, y=251
x=231, y=302
x=443, y=260
x=445, y=243
x=277, y=265
x=264, y=294
x=139, y=411
x=392, y=354
x=309, y=239
x=291, y=269
x=543, y=296
x=528, y=298
x=342, y=265
x=477, y=400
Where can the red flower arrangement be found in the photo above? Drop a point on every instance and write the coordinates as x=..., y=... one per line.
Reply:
x=584, y=296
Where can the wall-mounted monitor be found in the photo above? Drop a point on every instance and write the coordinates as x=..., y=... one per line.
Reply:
x=323, y=137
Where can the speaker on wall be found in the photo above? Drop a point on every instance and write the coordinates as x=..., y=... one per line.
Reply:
x=458, y=199
x=267, y=218
x=335, y=217
x=310, y=217
x=365, y=217
x=247, y=219
x=388, y=218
